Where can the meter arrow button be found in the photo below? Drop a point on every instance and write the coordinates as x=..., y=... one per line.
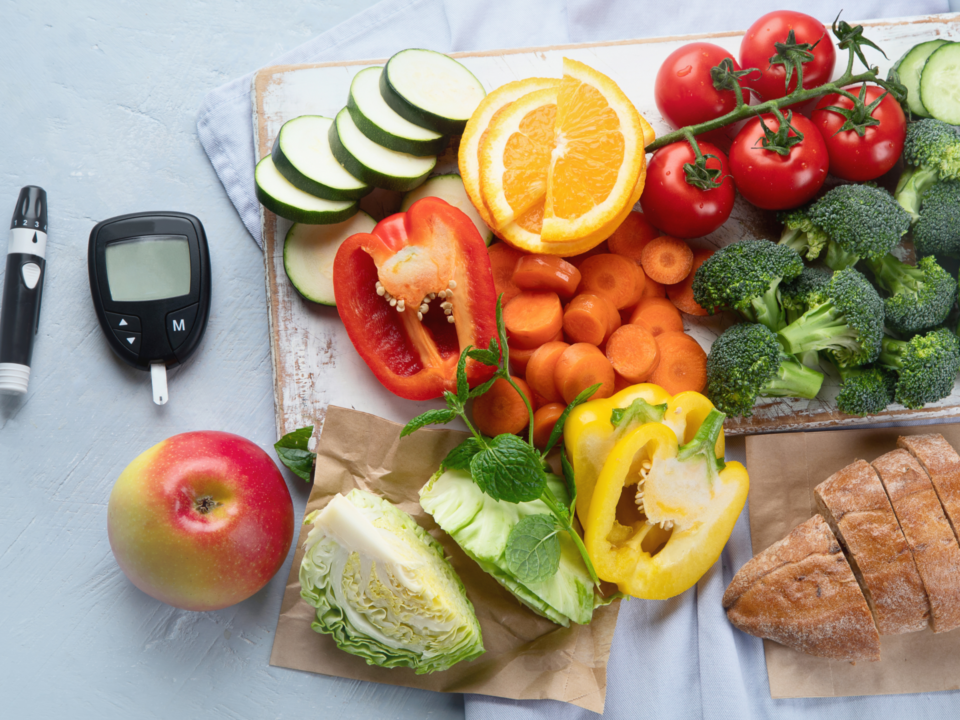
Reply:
x=123, y=323
x=180, y=323
x=129, y=341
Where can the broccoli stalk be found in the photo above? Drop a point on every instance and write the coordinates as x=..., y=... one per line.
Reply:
x=921, y=295
x=801, y=234
x=793, y=379
x=912, y=186
x=931, y=151
x=926, y=366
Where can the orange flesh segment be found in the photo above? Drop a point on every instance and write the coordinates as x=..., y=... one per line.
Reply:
x=526, y=158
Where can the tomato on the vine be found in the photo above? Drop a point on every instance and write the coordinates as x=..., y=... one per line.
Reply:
x=684, y=89
x=857, y=158
x=775, y=181
x=757, y=47
x=678, y=208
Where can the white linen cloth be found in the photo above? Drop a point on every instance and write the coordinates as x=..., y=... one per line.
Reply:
x=673, y=659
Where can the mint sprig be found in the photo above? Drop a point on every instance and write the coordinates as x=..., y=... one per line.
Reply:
x=508, y=469
x=293, y=451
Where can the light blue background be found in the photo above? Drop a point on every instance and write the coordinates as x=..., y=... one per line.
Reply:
x=98, y=105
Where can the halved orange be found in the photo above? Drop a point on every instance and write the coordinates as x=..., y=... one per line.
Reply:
x=473, y=133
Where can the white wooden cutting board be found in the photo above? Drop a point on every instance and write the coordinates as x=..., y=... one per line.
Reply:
x=314, y=363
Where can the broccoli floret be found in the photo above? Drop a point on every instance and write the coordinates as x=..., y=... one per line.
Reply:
x=860, y=221
x=746, y=362
x=865, y=390
x=931, y=152
x=921, y=295
x=801, y=234
x=849, y=322
x=803, y=292
x=926, y=366
x=746, y=277
x=937, y=232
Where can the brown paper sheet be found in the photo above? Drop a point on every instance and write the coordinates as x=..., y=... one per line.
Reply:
x=527, y=657
x=784, y=469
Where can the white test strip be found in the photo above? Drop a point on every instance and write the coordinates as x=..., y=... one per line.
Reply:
x=158, y=377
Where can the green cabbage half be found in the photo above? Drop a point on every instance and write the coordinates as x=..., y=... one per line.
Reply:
x=383, y=589
x=481, y=525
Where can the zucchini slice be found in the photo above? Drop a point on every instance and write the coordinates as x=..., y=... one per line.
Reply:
x=309, y=252
x=431, y=89
x=373, y=163
x=449, y=188
x=302, y=155
x=940, y=83
x=379, y=122
x=276, y=193
x=910, y=66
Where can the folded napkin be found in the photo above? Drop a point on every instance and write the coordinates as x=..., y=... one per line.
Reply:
x=673, y=659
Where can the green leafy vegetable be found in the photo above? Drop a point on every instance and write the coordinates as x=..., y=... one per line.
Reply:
x=430, y=417
x=533, y=548
x=293, y=451
x=459, y=458
x=509, y=469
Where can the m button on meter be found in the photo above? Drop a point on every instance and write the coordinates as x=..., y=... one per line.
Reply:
x=179, y=324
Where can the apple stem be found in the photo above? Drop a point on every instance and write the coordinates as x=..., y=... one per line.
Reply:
x=206, y=504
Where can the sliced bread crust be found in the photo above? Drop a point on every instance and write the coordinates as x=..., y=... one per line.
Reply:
x=855, y=505
x=942, y=464
x=928, y=533
x=801, y=592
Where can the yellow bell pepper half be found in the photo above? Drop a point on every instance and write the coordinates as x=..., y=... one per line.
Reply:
x=661, y=512
x=589, y=435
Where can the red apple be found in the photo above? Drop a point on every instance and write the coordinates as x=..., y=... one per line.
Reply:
x=201, y=520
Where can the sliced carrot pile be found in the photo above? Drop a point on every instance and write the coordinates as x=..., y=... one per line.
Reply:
x=532, y=318
x=540, y=370
x=681, y=294
x=633, y=352
x=651, y=288
x=580, y=366
x=503, y=261
x=501, y=409
x=547, y=272
x=658, y=315
x=609, y=275
x=588, y=319
x=520, y=357
x=600, y=249
x=544, y=420
x=632, y=236
x=682, y=366
x=640, y=282
x=667, y=259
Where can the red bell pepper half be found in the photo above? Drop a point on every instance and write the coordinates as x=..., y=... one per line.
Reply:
x=393, y=287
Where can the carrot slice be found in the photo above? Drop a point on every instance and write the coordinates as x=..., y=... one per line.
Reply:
x=620, y=382
x=633, y=352
x=667, y=259
x=547, y=272
x=520, y=357
x=682, y=366
x=658, y=315
x=588, y=318
x=609, y=275
x=600, y=249
x=503, y=261
x=501, y=409
x=651, y=288
x=532, y=318
x=580, y=366
x=540, y=370
x=640, y=283
x=681, y=294
x=543, y=421
x=632, y=236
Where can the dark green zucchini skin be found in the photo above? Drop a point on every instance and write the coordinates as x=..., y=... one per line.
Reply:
x=420, y=148
x=369, y=175
x=309, y=185
x=298, y=214
x=417, y=115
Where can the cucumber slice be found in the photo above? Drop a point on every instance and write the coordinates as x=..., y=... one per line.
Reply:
x=449, y=188
x=373, y=163
x=940, y=83
x=380, y=123
x=430, y=89
x=276, y=193
x=302, y=155
x=910, y=66
x=309, y=251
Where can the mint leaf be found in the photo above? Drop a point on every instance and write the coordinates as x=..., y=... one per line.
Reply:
x=293, y=451
x=509, y=469
x=490, y=356
x=502, y=335
x=459, y=458
x=561, y=421
x=463, y=387
x=430, y=417
x=533, y=549
x=481, y=389
x=569, y=478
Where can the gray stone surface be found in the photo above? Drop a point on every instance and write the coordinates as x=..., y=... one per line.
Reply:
x=99, y=104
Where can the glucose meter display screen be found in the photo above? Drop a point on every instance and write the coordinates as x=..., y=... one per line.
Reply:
x=153, y=267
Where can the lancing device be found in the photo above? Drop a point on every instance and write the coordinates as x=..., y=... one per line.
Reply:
x=22, y=286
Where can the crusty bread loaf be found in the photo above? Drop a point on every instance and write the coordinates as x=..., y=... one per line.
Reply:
x=928, y=533
x=801, y=592
x=855, y=505
x=942, y=464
